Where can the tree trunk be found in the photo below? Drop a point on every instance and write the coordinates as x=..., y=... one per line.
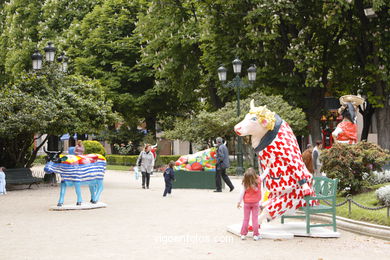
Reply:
x=214, y=98
x=383, y=123
x=367, y=111
x=383, y=117
x=151, y=125
x=314, y=112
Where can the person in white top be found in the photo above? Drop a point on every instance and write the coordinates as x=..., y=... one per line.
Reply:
x=2, y=181
x=316, y=159
x=146, y=163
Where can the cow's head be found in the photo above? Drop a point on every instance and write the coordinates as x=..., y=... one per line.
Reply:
x=53, y=156
x=256, y=123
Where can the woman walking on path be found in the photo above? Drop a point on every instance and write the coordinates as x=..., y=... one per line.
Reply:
x=146, y=163
x=251, y=194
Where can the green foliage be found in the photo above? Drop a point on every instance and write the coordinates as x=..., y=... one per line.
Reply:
x=124, y=135
x=163, y=160
x=70, y=104
x=131, y=160
x=113, y=159
x=208, y=125
x=93, y=147
x=123, y=149
x=40, y=160
x=368, y=199
x=353, y=164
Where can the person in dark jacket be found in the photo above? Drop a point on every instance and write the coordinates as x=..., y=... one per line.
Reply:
x=222, y=164
x=169, y=176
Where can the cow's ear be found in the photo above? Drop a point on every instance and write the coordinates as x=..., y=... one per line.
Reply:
x=264, y=123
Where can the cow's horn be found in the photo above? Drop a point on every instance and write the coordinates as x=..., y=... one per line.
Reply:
x=154, y=146
x=214, y=143
x=252, y=103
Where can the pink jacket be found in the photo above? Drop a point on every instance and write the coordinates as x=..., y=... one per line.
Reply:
x=251, y=195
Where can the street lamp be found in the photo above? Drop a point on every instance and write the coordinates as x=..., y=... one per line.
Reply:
x=64, y=62
x=50, y=52
x=37, y=59
x=237, y=83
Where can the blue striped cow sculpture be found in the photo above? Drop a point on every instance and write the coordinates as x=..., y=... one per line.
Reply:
x=77, y=170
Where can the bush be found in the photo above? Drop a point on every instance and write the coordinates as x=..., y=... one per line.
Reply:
x=165, y=159
x=353, y=164
x=383, y=195
x=379, y=177
x=113, y=159
x=94, y=147
x=130, y=160
x=40, y=159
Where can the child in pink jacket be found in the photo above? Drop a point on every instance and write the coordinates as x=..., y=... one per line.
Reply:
x=251, y=194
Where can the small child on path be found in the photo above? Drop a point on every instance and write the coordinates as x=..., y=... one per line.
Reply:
x=251, y=194
x=169, y=176
x=2, y=181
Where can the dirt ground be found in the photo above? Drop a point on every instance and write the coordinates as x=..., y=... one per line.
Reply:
x=141, y=224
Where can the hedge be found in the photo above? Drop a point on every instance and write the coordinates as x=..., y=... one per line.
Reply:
x=93, y=147
x=130, y=160
x=127, y=160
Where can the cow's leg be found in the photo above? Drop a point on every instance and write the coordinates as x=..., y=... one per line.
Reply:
x=264, y=215
x=99, y=189
x=92, y=189
x=62, y=194
x=275, y=207
x=77, y=187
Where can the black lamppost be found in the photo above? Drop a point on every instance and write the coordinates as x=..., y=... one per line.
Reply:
x=50, y=52
x=64, y=62
x=37, y=60
x=237, y=83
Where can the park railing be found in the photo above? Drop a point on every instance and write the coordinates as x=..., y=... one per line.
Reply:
x=350, y=201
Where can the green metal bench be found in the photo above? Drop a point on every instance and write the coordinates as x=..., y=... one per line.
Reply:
x=325, y=189
x=21, y=176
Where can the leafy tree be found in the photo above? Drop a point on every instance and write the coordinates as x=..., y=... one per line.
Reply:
x=18, y=37
x=57, y=17
x=123, y=135
x=48, y=102
x=104, y=46
x=309, y=48
x=205, y=126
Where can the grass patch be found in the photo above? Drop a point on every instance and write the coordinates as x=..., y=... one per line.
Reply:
x=118, y=167
x=367, y=199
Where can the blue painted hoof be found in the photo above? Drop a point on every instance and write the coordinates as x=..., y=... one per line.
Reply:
x=78, y=203
x=59, y=205
x=93, y=202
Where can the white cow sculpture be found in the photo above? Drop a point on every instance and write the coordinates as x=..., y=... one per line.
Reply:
x=285, y=175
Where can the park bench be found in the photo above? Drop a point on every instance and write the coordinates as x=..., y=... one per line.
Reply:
x=20, y=176
x=325, y=189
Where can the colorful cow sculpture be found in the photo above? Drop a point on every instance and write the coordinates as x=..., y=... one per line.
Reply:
x=284, y=173
x=204, y=160
x=77, y=170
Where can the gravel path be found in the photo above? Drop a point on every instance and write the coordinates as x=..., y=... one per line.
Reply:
x=141, y=224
